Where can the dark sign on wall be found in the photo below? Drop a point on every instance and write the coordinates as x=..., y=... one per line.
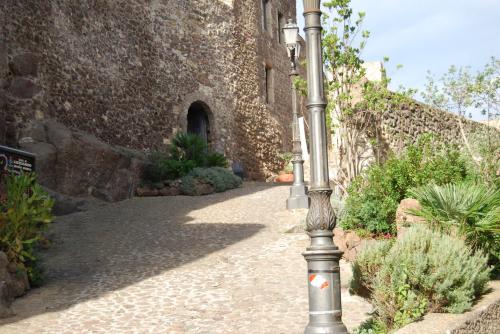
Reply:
x=15, y=162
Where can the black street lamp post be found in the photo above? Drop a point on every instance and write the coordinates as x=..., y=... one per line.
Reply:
x=298, y=192
x=325, y=309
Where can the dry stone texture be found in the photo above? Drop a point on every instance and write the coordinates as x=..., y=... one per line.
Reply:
x=127, y=71
x=77, y=164
x=220, y=263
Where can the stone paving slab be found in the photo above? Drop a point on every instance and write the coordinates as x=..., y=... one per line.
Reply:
x=214, y=264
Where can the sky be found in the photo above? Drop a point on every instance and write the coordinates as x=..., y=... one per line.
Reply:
x=426, y=35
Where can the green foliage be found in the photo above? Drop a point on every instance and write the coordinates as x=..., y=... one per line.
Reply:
x=215, y=159
x=220, y=178
x=486, y=89
x=374, y=197
x=183, y=154
x=343, y=42
x=485, y=147
x=367, y=265
x=371, y=326
x=161, y=168
x=188, y=147
x=287, y=161
x=458, y=90
x=425, y=271
x=24, y=215
x=473, y=210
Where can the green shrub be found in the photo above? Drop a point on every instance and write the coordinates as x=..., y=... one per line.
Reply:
x=220, y=178
x=215, y=159
x=371, y=326
x=183, y=154
x=26, y=212
x=424, y=271
x=367, y=265
x=471, y=209
x=163, y=168
x=373, y=198
x=188, y=146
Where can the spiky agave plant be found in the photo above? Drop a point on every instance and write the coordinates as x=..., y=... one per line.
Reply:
x=472, y=210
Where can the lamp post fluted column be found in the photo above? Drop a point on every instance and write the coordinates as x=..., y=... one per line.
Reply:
x=325, y=309
x=298, y=191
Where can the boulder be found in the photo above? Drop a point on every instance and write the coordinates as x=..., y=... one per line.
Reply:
x=46, y=158
x=404, y=219
x=169, y=191
x=13, y=283
x=77, y=164
x=146, y=192
x=202, y=188
x=24, y=64
x=349, y=243
x=65, y=205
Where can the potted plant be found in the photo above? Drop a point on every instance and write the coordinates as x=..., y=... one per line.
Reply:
x=286, y=174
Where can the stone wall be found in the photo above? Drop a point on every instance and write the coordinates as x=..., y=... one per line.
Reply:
x=405, y=125
x=485, y=321
x=383, y=133
x=127, y=71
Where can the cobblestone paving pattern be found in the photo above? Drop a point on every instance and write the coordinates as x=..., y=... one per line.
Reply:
x=214, y=264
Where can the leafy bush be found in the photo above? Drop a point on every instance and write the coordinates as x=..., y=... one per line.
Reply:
x=220, y=178
x=425, y=271
x=367, y=265
x=215, y=159
x=371, y=326
x=163, y=168
x=183, y=154
x=188, y=147
x=473, y=210
x=26, y=212
x=373, y=198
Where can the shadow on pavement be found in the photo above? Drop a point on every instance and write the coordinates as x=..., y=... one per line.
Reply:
x=109, y=248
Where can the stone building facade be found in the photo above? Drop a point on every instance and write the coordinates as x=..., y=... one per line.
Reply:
x=133, y=73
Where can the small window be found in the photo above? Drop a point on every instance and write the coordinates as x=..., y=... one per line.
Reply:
x=266, y=11
x=281, y=24
x=269, y=85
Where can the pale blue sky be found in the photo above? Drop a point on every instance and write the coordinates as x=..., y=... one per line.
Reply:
x=428, y=35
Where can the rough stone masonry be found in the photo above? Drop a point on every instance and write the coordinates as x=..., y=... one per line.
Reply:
x=128, y=71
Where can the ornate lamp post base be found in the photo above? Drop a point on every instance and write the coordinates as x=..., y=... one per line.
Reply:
x=325, y=314
x=298, y=198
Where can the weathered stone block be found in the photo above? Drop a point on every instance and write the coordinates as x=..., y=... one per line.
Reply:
x=23, y=88
x=404, y=219
x=77, y=164
x=4, y=60
x=24, y=64
x=46, y=160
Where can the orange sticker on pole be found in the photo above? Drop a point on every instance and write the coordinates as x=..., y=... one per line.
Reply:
x=318, y=281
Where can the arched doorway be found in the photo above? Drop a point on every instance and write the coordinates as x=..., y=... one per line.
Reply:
x=197, y=120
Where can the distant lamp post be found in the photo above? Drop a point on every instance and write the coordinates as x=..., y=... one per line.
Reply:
x=298, y=192
x=325, y=309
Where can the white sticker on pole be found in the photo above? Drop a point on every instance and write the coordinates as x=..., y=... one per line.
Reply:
x=318, y=281
x=302, y=135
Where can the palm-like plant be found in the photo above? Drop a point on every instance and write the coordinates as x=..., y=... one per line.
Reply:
x=472, y=210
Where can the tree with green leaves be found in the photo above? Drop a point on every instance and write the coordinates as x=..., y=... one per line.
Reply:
x=486, y=89
x=453, y=91
x=458, y=91
x=354, y=103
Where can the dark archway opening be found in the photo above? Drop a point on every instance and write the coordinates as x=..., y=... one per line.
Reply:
x=197, y=120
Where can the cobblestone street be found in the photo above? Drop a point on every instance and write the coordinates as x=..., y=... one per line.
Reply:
x=221, y=263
